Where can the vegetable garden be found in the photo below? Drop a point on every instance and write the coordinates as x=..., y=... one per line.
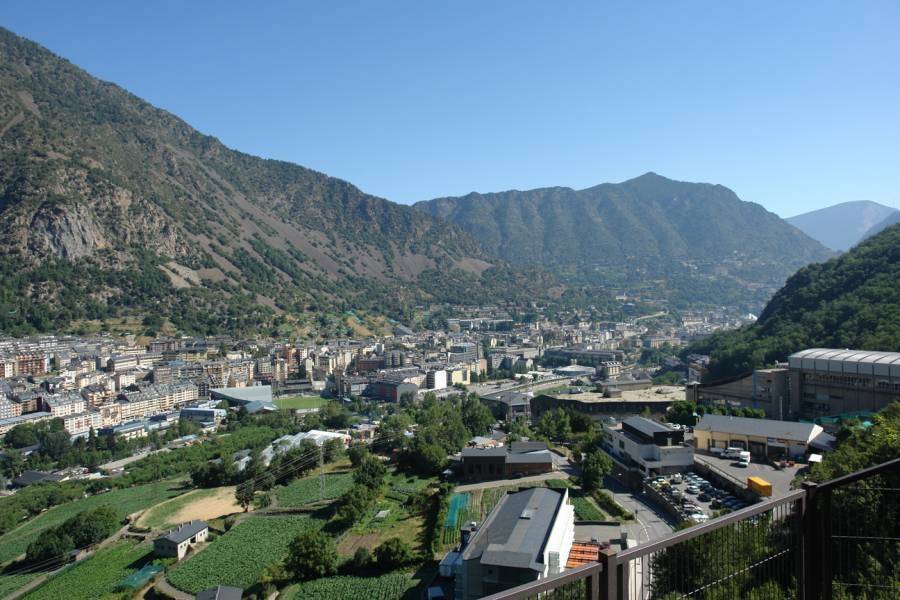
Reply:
x=239, y=557
x=385, y=587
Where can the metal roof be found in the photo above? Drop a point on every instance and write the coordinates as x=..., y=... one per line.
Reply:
x=507, y=539
x=788, y=430
x=185, y=531
x=862, y=362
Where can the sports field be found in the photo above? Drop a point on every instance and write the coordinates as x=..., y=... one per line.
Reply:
x=292, y=402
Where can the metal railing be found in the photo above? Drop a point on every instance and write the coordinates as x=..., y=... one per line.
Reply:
x=834, y=540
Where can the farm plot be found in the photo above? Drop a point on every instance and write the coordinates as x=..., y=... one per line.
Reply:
x=97, y=575
x=246, y=550
x=11, y=583
x=124, y=501
x=392, y=586
x=310, y=489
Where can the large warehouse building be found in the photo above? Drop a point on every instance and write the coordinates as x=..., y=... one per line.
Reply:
x=817, y=382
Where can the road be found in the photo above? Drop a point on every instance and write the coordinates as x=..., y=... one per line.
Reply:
x=651, y=522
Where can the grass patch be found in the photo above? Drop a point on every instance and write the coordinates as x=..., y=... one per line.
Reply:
x=585, y=507
x=240, y=556
x=124, y=502
x=302, y=402
x=11, y=583
x=95, y=576
x=309, y=489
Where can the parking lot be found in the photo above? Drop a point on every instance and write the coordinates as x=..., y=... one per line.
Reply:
x=779, y=478
x=695, y=497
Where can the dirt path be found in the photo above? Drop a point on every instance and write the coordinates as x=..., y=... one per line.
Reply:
x=221, y=503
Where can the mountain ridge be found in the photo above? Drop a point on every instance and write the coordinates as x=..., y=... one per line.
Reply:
x=645, y=221
x=840, y=226
x=96, y=180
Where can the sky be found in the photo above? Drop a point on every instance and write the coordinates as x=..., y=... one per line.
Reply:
x=794, y=105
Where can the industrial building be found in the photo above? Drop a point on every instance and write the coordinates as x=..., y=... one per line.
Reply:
x=762, y=437
x=817, y=382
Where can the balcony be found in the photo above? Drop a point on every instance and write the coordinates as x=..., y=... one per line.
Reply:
x=834, y=540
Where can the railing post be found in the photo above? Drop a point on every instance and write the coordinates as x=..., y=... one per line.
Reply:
x=607, y=588
x=815, y=580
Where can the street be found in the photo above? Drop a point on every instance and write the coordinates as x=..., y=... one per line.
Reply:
x=651, y=523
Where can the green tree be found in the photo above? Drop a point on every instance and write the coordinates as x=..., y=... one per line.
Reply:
x=594, y=468
x=392, y=553
x=312, y=554
x=476, y=417
x=244, y=495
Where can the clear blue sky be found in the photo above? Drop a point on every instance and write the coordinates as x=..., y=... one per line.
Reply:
x=795, y=105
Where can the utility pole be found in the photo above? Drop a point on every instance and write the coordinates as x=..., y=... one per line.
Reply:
x=322, y=471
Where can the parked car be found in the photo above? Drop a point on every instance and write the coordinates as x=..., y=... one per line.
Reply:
x=692, y=489
x=715, y=504
x=698, y=518
x=704, y=497
x=716, y=451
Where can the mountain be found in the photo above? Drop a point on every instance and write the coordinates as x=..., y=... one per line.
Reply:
x=892, y=219
x=852, y=301
x=110, y=207
x=697, y=240
x=841, y=226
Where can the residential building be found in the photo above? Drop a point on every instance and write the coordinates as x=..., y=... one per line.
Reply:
x=31, y=364
x=526, y=537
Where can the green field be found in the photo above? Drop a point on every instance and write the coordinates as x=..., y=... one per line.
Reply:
x=309, y=489
x=124, y=501
x=240, y=556
x=97, y=575
x=160, y=516
x=292, y=402
x=11, y=583
x=392, y=586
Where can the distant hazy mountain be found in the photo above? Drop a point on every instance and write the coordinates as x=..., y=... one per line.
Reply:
x=841, y=226
x=697, y=239
x=892, y=219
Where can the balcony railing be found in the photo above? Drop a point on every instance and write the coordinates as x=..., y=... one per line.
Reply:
x=834, y=540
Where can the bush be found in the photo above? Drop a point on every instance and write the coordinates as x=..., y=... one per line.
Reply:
x=608, y=503
x=311, y=555
x=392, y=553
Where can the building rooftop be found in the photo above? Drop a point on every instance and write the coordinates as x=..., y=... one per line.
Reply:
x=647, y=426
x=788, y=430
x=866, y=362
x=514, y=533
x=185, y=531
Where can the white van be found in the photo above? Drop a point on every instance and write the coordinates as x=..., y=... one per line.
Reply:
x=744, y=458
x=732, y=452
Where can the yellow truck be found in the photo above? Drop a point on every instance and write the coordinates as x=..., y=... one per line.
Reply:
x=760, y=486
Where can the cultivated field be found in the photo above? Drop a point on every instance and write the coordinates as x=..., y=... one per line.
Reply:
x=309, y=489
x=240, y=556
x=392, y=586
x=125, y=502
x=97, y=575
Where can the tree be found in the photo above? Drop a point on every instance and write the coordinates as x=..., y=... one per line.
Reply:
x=312, y=554
x=555, y=425
x=332, y=449
x=361, y=559
x=244, y=495
x=392, y=553
x=370, y=472
x=356, y=453
x=476, y=416
x=595, y=467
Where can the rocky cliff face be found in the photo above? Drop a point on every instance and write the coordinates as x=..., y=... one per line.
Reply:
x=98, y=179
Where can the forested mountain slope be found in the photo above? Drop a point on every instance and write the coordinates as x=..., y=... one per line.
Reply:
x=852, y=301
x=698, y=238
x=110, y=206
